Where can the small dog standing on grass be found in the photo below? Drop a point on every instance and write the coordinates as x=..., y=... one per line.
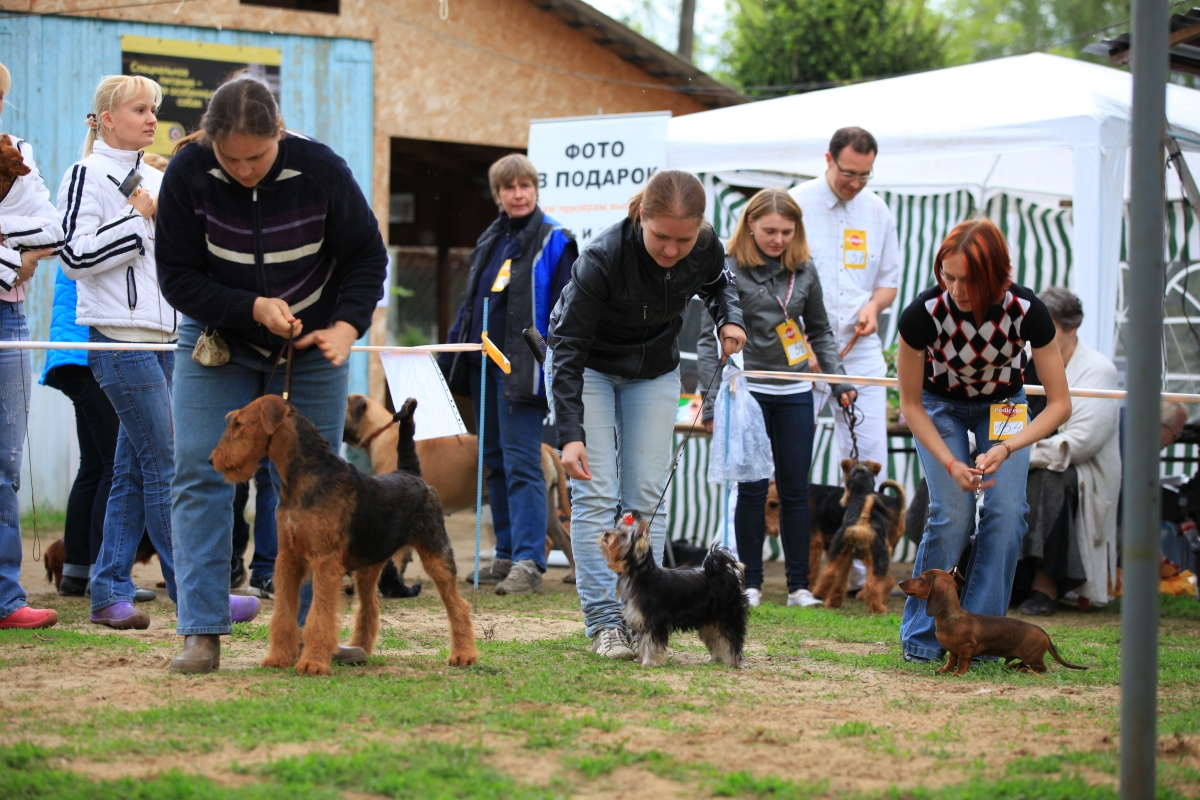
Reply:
x=657, y=601
x=334, y=519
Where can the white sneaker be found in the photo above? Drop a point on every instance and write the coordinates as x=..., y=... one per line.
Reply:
x=803, y=598
x=858, y=575
x=754, y=596
x=610, y=643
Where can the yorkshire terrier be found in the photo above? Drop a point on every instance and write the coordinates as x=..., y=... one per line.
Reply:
x=658, y=601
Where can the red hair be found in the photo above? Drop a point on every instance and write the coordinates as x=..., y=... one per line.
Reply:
x=983, y=247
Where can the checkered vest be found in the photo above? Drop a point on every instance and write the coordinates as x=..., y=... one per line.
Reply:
x=971, y=361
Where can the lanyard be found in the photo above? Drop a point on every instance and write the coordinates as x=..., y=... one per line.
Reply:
x=783, y=304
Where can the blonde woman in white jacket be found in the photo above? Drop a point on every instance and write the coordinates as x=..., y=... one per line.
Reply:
x=29, y=231
x=109, y=251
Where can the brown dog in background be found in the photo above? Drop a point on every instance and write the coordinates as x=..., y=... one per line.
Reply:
x=966, y=635
x=449, y=464
x=56, y=555
x=12, y=165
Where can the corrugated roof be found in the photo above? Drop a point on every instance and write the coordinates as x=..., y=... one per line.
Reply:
x=663, y=65
x=1184, y=43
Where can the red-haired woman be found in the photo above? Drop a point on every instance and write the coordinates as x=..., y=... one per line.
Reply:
x=962, y=352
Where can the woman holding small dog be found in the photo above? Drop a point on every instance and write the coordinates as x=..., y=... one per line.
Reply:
x=777, y=287
x=264, y=235
x=960, y=365
x=29, y=232
x=612, y=369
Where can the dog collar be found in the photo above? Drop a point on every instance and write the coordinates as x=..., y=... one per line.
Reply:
x=367, y=442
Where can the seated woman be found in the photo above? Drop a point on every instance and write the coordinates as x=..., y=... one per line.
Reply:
x=1074, y=481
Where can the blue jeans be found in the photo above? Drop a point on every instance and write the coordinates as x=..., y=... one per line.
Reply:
x=266, y=543
x=512, y=450
x=138, y=384
x=629, y=425
x=201, y=500
x=1001, y=524
x=789, y=419
x=15, y=374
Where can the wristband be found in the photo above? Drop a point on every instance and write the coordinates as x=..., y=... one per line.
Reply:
x=948, y=467
x=1007, y=449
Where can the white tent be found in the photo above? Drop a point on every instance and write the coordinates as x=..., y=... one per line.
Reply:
x=1034, y=125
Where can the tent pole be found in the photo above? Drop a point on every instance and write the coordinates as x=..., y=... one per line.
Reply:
x=1140, y=528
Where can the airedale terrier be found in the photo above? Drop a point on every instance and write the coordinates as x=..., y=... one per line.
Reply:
x=334, y=519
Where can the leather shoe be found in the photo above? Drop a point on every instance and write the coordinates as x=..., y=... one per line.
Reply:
x=345, y=655
x=1039, y=604
x=143, y=595
x=72, y=587
x=201, y=653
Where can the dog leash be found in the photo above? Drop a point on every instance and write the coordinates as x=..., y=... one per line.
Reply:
x=290, y=349
x=37, y=534
x=853, y=416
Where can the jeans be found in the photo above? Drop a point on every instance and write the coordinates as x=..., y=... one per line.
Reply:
x=1001, y=528
x=512, y=451
x=16, y=371
x=789, y=419
x=96, y=426
x=201, y=500
x=266, y=544
x=629, y=425
x=138, y=384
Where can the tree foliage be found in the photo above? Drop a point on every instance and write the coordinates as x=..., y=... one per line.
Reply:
x=798, y=45
x=992, y=28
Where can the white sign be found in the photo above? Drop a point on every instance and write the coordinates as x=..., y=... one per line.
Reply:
x=589, y=167
x=418, y=376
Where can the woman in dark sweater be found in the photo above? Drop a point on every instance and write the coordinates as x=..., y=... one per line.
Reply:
x=960, y=366
x=262, y=234
x=613, y=354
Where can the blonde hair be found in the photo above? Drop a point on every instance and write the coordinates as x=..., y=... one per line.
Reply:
x=769, y=201
x=507, y=170
x=5, y=79
x=669, y=193
x=112, y=93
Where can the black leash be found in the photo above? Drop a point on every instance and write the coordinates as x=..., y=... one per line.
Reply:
x=289, y=348
x=853, y=416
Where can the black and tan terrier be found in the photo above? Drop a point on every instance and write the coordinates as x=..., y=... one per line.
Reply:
x=657, y=601
x=334, y=519
x=872, y=523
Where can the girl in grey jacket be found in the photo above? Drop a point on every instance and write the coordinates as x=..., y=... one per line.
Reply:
x=780, y=296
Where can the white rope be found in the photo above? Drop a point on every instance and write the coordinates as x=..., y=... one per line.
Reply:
x=363, y=348
x=861, y=380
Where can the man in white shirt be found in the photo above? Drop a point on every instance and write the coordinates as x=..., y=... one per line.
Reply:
x=853, y=241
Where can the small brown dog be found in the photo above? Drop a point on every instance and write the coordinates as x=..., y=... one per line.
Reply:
x=966, y=635
x=334, y=519
x=56, y=555
x=12, y=165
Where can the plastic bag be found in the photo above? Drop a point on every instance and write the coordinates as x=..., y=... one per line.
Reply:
x=749, y=456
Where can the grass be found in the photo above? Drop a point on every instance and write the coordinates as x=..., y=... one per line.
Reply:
x=49, y=520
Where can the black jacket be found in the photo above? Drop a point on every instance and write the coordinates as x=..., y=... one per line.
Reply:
x=524, y=384
x=305, y=234
x=621, y=314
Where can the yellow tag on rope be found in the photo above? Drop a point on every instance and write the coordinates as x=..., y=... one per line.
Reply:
x=792, y=339
x=854, y=249
x=1007, y=420
x=494, y=354
x=503, y=276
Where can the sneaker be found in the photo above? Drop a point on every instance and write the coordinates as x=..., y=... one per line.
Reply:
x=262, y=588
x=858, y=575
x=121, y=616
x=72, y=587
x=803, y=598
x=496, y=572
x=1039, y=604
x=754, y=597
x=26, y=617
x=912, y=658
x=237, y=572
x=143, y=595
x=523, y=578
x=242, y=608
x=610, y=643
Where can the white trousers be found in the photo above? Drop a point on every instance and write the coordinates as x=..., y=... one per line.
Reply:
x=870, y=428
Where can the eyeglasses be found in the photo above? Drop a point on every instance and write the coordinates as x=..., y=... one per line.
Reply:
x=854, y=176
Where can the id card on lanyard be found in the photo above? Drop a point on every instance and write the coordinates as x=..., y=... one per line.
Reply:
x=790, y=336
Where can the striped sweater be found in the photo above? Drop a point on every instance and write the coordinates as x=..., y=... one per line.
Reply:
x=305, y=234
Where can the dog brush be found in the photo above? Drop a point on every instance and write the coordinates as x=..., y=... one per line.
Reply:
x=132, y=181
x=537, y=345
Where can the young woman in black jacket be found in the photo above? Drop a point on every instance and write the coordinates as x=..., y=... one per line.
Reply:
x=613, y=373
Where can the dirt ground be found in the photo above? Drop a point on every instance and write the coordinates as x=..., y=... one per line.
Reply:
x=920, y=721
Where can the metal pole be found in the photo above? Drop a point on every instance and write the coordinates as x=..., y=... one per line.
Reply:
x=1140, y=526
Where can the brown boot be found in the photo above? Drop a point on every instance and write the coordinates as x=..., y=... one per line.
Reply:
x=201, y=653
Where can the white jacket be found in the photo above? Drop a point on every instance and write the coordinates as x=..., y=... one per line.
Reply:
x=27, y=219
x=109, y=246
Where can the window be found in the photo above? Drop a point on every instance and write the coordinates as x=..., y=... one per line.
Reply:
x=320, y=6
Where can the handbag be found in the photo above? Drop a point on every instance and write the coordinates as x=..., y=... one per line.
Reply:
x=210, y=350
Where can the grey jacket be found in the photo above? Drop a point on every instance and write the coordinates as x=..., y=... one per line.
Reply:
x=757, y=289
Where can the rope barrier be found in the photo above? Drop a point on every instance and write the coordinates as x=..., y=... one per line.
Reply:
x=358, y=348
x=861, y=380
